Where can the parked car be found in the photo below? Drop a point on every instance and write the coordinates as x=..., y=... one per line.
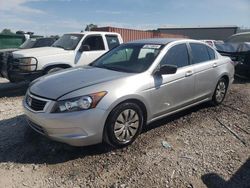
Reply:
x=70, y=50
x=237, y=47
x=210, y=43
x=130, y=86
x=30, y=43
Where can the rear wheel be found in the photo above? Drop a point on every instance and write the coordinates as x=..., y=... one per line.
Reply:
x=220, y=91
x=124, y=124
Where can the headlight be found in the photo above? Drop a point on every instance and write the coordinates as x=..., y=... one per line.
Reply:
x=27, y=64
x=79, y=103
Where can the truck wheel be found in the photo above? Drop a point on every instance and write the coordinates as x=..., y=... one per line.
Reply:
x=124, y=124
x=54, y=69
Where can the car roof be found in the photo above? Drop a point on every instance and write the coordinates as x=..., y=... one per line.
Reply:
x=243, y=33
x=161, y=41
x=93, y=32
x=155, y=41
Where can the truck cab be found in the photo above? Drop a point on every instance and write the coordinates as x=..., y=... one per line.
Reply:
x=70, y=50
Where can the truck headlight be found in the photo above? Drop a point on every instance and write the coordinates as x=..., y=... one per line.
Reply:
x=79, y=103
x=27, y=63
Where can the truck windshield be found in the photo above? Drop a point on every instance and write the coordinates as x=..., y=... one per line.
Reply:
x=133, y=58
x=28, y=44
x=68, y=41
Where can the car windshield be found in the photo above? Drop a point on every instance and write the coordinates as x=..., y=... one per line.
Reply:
x=28, y=44
x=68, y=41
x=133, y=58
x=239, y=38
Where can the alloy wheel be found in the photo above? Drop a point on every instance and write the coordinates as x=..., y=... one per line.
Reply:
x=220, y=91
x=126, y=125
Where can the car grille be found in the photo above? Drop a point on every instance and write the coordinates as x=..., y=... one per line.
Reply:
x=5, y=61
x=35, y=103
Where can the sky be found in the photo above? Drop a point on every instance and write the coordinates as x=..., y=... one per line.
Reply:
x=51, y=17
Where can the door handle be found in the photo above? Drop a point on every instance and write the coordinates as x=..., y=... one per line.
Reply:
x=215, y=65
x=189, y=73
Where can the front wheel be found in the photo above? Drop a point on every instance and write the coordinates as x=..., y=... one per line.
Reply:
x=124, y=124
x=220, y=92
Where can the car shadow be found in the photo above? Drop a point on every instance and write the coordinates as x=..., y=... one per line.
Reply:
x=238, y=80
x=20, y=144
x=8, y=89
x=241, y=179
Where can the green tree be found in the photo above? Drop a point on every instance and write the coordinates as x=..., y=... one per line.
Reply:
x=89, y=27
x=7, y=32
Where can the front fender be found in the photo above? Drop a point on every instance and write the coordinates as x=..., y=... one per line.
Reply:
x=127, y=98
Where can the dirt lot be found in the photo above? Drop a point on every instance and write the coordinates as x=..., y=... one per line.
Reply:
x=203, y=152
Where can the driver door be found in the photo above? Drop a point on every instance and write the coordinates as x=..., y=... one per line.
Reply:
x=96, y=49
x=173, y=91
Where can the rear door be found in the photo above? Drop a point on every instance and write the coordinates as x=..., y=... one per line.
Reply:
x=205, y=64
x=174, y=91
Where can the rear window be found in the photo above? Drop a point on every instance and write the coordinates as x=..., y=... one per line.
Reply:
x=199, y=53
x=211, y=53
x=43, y=42
x=112, y=41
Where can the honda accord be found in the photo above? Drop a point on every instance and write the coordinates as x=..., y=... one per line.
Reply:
x=114, y=97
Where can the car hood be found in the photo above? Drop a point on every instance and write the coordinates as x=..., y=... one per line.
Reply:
x=8, y=50
x=233, y=47
x=56, y=85
x=39, y=52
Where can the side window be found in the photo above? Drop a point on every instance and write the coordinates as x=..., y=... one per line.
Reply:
x=199, y=52
x=177, y=55
x=95, y=43
x=211, y=53
x=112, y=41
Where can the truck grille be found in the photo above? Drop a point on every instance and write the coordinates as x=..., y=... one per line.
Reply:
x=1, y=62
x=35, y=103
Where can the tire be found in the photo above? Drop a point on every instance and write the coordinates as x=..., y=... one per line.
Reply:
x=123, y=125
x=220, y=92
x=54, y=69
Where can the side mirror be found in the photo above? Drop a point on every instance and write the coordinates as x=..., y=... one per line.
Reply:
x=167, y=69
x=84, y=48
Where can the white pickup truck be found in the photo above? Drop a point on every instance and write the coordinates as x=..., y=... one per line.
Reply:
x=70, y=50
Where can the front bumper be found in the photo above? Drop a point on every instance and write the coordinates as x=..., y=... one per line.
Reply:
x=80, y=128
x=17, y=76
x=242, y=70
x=9, y=70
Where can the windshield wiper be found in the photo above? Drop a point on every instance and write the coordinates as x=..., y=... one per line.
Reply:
x=113, y=68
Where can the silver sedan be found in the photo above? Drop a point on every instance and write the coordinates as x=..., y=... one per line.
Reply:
x=132, y=85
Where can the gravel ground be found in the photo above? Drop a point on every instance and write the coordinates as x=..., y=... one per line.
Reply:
x=205, y=146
